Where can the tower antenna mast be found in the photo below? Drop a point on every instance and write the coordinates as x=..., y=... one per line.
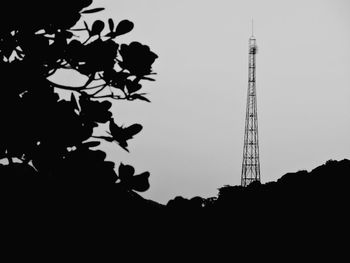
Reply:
x=251, y=161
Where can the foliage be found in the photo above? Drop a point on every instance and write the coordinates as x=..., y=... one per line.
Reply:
x=53, y=138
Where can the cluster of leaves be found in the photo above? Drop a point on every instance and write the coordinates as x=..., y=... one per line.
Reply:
x=51, y=136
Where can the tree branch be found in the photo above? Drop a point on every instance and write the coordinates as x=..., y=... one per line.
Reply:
x=59, y=86
x=110, y=96
x=94, y=87
x=99, y=90
x=9, y=158
x=77, y=89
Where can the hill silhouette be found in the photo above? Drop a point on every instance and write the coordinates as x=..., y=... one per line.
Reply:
x=302, y=215
x=302, y=197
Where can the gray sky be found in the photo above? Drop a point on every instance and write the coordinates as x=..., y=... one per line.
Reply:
x=192, y=140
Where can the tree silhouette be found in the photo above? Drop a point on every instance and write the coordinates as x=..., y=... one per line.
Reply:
x=44, y=138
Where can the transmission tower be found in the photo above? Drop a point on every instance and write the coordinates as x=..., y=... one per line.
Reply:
x=251, y=163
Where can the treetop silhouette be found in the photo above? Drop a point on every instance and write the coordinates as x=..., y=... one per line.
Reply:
x=50, y=139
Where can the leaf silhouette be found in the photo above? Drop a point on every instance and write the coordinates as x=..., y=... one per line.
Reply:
x=140, y=182
x=121, y=135
x=132, y=86
x=130, y=181
x=94, y=111
x=132, y=130
x=124, y=26
x=137, y=59
x=147, y=78
x=91, y=144
x=111, y=24
x=139, y=97
x=97, y=27
x=125, y=172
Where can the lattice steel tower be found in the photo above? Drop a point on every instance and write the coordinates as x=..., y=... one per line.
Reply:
x=251, y=163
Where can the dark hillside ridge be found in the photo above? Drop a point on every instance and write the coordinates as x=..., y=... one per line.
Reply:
x=320, y=192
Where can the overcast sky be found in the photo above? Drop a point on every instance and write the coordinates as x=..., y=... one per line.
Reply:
x=192, y=142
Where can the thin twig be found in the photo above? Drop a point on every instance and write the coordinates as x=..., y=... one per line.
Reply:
x=77, y=89
x=99, y=90
x=110, y=96
x=94, y=87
